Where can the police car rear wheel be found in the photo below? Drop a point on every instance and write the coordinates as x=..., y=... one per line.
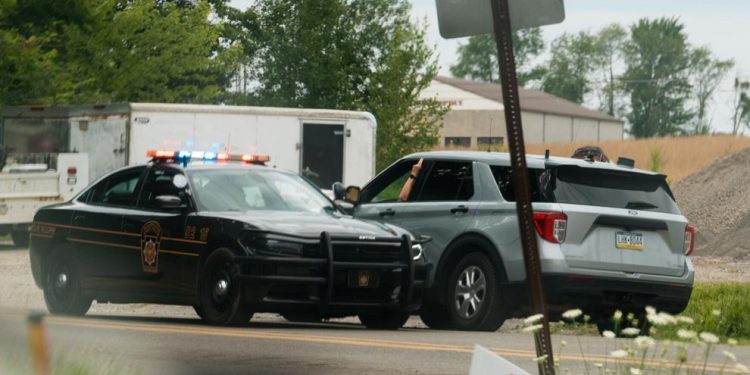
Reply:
x=62, y=289
x=389, y=320
x=220, y=293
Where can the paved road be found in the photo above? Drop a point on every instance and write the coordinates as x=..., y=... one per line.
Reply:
x=149, y=339
x=185, y=346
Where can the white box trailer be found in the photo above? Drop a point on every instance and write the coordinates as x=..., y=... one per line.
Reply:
x=324, y=145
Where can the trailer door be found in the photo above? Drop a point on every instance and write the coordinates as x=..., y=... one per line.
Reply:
x=104, y=138
x=323, y=153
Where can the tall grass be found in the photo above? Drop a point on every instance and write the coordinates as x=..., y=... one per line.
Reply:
x=656, y=160
x=679, y=156
x=721, y=308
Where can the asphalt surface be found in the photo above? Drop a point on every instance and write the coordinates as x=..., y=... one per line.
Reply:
x=170, y=340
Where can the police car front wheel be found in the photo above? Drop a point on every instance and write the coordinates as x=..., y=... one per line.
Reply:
x=220, y=294
x=62, y=289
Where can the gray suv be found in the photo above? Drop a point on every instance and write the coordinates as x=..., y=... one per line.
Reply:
x=610, y=236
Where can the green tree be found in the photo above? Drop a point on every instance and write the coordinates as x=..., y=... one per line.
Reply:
x=349, y=54
x=706, y=73
x=477, y=59
x=571, y=65
x=113, y=50
x=610, y=42
x=658, y=63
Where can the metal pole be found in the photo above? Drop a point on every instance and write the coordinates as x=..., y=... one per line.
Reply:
x=520, y=174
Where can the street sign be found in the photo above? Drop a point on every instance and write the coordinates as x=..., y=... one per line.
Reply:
x=459, y=18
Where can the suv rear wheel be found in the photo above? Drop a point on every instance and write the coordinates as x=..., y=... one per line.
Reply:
x=473, y=295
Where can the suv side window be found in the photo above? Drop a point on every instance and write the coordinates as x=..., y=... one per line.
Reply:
x=448, y=181
x=504, y=180
x=117, y=190
x=159, y=182
x=387, y=187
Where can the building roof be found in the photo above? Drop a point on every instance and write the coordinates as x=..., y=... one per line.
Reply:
x=531, y=100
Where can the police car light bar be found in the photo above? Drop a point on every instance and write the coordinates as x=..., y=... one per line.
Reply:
x=184, y=156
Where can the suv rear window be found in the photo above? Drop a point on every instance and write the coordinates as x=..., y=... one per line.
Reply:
x=593, y=187
x=616, y=189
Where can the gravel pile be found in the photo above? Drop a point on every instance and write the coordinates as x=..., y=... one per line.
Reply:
x=716, y=200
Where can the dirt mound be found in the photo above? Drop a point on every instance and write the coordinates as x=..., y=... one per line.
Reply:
x=717, y=201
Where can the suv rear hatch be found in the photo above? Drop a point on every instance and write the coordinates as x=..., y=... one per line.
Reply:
x=618, y=220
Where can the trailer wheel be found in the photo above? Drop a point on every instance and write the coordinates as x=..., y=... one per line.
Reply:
x=220, y=292
x=62, y=285
x=20, y=238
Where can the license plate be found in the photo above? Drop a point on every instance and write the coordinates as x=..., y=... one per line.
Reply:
x=363, y=279
x=631, y=241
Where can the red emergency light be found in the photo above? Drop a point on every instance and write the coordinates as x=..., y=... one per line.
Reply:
x=208, y=156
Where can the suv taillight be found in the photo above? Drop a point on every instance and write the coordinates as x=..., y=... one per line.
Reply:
x=689, y=245
x=551, y=225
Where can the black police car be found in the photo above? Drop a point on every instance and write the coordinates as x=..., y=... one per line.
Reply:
x=229, y=239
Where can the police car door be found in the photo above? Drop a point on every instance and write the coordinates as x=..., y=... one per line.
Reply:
x=168, y=260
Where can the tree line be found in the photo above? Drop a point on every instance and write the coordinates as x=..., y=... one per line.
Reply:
x=342, y=54
x=647, y=73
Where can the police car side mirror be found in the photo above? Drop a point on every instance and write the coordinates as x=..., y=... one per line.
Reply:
x=169, y=202
x=338, y=191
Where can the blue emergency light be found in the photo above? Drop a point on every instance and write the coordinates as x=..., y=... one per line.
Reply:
x=184, y=156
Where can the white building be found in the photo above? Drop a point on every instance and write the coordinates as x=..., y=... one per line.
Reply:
x=476, y=118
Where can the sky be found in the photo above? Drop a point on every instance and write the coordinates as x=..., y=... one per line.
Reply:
x=721, y=25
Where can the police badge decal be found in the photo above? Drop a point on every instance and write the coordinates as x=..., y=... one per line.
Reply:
x=150, y=239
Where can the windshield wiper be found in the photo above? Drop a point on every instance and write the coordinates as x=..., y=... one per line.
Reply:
x=638, y=205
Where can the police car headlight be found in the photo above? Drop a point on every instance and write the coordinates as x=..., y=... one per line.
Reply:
x=416, y=251
x=271, y=247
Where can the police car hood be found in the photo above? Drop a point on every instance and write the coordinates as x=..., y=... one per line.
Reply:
x=309, y=224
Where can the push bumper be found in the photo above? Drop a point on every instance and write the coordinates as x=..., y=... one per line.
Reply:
x=602, y=295
x=346, y=275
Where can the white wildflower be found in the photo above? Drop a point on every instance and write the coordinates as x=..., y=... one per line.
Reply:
x=540, y=359
x=630, y=331
x=716, y=312
x=617, y=316
x=572, y=314
x=598, y=365
x=685, y=319
x=732, y=342
x=635, y=371
x=619, y=354
x=563, y=344
x=686, y=334
x=709, y=337
x=644, y=342
x=533, y=319
x=608, y=334
x=533, y=328
x=730, y=355
x=650, y=310
x=741, y=368
x=630, y=316
x=661, y=319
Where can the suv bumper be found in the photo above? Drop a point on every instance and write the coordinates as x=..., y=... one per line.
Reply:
x=600, y=296
x=329, y=285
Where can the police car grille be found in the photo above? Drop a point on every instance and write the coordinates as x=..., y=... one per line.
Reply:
x=366, y=253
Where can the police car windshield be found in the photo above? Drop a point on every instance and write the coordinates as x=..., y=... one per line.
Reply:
x=253, y=190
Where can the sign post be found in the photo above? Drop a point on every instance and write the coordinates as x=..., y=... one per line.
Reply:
x=469, y=17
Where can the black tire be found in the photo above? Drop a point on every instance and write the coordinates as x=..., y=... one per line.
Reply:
x=220, y=293
x=473, y=295
x=434, y=315
x=298, y=317
x=62, y=285
x=387, y=320
x=20, y=238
